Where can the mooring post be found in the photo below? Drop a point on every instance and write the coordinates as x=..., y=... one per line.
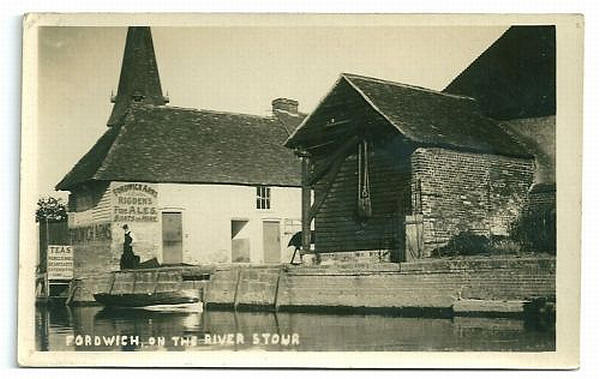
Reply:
x=72, y=288
x=112, y=282
x=236, y=299
x=277, y=284
x=46, y=285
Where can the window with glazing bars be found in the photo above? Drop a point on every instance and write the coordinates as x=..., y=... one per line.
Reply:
x=263, y=197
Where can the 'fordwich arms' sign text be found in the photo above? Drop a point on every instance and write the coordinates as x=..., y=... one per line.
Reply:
x=134, y=202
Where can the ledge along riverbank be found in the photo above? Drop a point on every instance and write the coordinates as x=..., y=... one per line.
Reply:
x=509, y=286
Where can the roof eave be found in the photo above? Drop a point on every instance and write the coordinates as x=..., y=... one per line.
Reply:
x=291, y=142
x=196, y=182
x=372, y=105
x=515, y=154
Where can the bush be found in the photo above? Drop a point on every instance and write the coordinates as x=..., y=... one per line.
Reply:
x=50, y=209
x=464, y=243
x=469, y=243
x=535, y=229
x=504, y=245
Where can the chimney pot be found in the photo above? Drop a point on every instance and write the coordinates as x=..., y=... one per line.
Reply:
x=286, y=105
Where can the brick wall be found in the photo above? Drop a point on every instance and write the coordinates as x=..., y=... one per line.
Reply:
x=542, y=196
x=250, y=286
x=502, y=278
x=538, y=134
x=425, y=284
x=458, y=191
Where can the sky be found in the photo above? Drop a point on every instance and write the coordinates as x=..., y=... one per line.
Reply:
x=235, y=69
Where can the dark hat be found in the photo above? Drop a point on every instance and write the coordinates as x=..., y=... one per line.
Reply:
x=125, y=226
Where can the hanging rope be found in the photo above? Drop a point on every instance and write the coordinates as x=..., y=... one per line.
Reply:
x=364, y=190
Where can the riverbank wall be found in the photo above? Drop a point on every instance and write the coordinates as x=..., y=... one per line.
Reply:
x=460, y=286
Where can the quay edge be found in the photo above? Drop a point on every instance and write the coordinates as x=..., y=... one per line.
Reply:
x=438, y=287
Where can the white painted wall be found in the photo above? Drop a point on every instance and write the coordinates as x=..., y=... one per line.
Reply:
x=207, y=211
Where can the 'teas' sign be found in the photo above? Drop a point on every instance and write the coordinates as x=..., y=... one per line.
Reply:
x=60, y=262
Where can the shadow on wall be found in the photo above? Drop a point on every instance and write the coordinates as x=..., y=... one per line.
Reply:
x=538, y=135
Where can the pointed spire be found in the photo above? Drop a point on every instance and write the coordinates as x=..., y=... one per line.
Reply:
x=139, y=81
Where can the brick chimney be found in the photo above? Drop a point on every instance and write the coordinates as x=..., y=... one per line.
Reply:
x=285, y=105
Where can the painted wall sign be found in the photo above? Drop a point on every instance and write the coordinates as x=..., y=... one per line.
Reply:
x=134, y=202
x=60, y=262
x=97, y=232
x=126, y=188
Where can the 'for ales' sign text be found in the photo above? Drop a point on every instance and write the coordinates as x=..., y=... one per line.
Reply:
x=135, y=202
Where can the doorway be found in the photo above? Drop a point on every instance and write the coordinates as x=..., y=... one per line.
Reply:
x=240, y=242
x=271, y=242
x=172, y=238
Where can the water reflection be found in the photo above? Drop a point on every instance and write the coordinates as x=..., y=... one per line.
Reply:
x=67, y=328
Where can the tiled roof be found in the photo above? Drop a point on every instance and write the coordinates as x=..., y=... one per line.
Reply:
x=289, y=120
x=516, y=76
x=427, y=117
x=178, y=145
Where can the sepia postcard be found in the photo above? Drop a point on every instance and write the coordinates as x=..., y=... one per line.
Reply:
x=301, y=190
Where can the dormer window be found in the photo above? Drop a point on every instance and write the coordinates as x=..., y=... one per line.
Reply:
x=138, y=97
x=263, y=197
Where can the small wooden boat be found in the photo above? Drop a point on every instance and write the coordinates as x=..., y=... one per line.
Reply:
x=160, y=301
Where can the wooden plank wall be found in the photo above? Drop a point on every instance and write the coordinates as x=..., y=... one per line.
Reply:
x=336, y=225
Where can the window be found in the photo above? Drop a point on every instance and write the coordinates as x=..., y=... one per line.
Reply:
x=263, y=197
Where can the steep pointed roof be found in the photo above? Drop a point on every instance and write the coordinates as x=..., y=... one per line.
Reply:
x=423, y=116
x=139, y=81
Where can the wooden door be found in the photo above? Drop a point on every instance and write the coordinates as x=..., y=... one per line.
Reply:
x=415, y=242
x=172, y=238
x=271, y=242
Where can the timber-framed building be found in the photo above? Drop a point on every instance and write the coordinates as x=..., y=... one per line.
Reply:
x=398, y=170
x=194, y=186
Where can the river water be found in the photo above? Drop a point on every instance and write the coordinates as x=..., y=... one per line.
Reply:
x=92, y=328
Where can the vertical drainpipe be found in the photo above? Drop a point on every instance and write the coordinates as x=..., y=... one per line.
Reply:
x=306, y=197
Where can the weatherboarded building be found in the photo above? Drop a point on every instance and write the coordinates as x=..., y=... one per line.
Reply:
x=397, y=170
x=194, y=186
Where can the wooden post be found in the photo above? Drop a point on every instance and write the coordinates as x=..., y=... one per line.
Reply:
x=236, y=299
x=277, y=284
x=46, y=284
x=306, y=201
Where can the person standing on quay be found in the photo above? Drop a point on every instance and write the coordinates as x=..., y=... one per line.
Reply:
x=128, y=259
